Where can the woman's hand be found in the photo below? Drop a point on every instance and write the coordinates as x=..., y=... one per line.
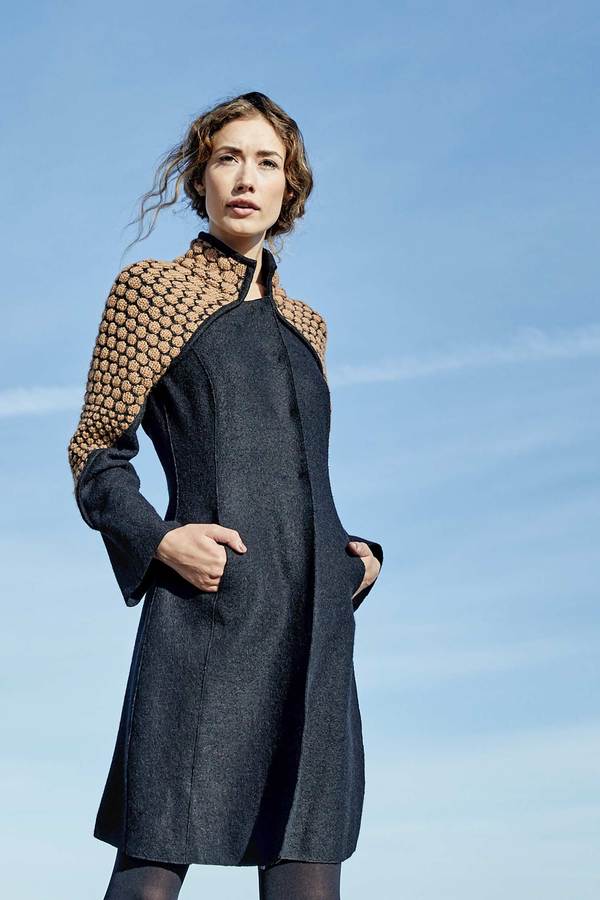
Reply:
x=372, y=564
x=195, y=551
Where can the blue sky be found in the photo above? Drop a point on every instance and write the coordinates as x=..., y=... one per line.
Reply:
x=451, y=243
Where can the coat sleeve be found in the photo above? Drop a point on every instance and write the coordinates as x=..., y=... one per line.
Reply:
x=106, y=488
x=377, y=550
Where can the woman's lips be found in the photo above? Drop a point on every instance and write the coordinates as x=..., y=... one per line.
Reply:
x=241, y=211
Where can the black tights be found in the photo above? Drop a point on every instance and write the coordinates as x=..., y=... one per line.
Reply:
x=142, y=879
x=291, y=879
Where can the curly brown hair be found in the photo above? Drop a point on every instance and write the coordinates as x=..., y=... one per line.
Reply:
x=188, y=159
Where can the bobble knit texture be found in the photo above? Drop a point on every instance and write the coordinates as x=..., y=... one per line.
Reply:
x=153, y=309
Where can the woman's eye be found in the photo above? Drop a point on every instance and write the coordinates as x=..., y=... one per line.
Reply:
x=270, y=163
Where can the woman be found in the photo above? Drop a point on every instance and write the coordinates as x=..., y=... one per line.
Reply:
x=240, y=736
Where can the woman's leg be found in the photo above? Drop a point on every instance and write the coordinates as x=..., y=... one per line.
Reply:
x=290, y=879
x=144, y=879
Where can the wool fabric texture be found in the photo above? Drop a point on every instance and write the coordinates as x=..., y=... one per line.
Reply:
x=240, y=737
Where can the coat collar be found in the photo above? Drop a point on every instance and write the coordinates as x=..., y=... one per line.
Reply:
x=223, y=276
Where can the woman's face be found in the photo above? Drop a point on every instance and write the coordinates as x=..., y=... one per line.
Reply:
x=239, y=168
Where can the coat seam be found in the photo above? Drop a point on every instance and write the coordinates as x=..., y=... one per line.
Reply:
x=320, y=362
x=174, y=458
x=308, y=343
x=314, y=569
x=213, y=612
x=200, y=329
x=132, y=712
x=198, y=719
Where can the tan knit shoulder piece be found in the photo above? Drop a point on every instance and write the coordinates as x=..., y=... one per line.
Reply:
x=153, y=308
x=303, y=317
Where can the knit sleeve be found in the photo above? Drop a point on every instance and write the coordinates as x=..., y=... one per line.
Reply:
x=126, y=362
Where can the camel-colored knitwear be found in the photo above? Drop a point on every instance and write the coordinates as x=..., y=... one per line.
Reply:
x=153, y=309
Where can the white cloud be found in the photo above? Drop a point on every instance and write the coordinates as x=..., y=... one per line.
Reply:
x=527, y=346
x=23, y=401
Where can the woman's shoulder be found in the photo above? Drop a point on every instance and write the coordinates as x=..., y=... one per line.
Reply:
x=147, y=273
x=151, y=283
x=305, y=310
x=164, y=289
x=305, y=317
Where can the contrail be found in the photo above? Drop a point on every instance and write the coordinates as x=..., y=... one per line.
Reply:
x=529, y=345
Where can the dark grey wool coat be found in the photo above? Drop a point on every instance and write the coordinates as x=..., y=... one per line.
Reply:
x=240, y=737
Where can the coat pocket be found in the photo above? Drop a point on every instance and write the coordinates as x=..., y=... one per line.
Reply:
x=224, y=582
x=361, y=570
x=357, y=571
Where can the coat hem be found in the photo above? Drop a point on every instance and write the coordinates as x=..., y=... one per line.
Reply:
x=312, y=859
x=176, y=859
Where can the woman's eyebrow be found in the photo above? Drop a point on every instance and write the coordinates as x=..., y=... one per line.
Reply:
x=258, y=152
